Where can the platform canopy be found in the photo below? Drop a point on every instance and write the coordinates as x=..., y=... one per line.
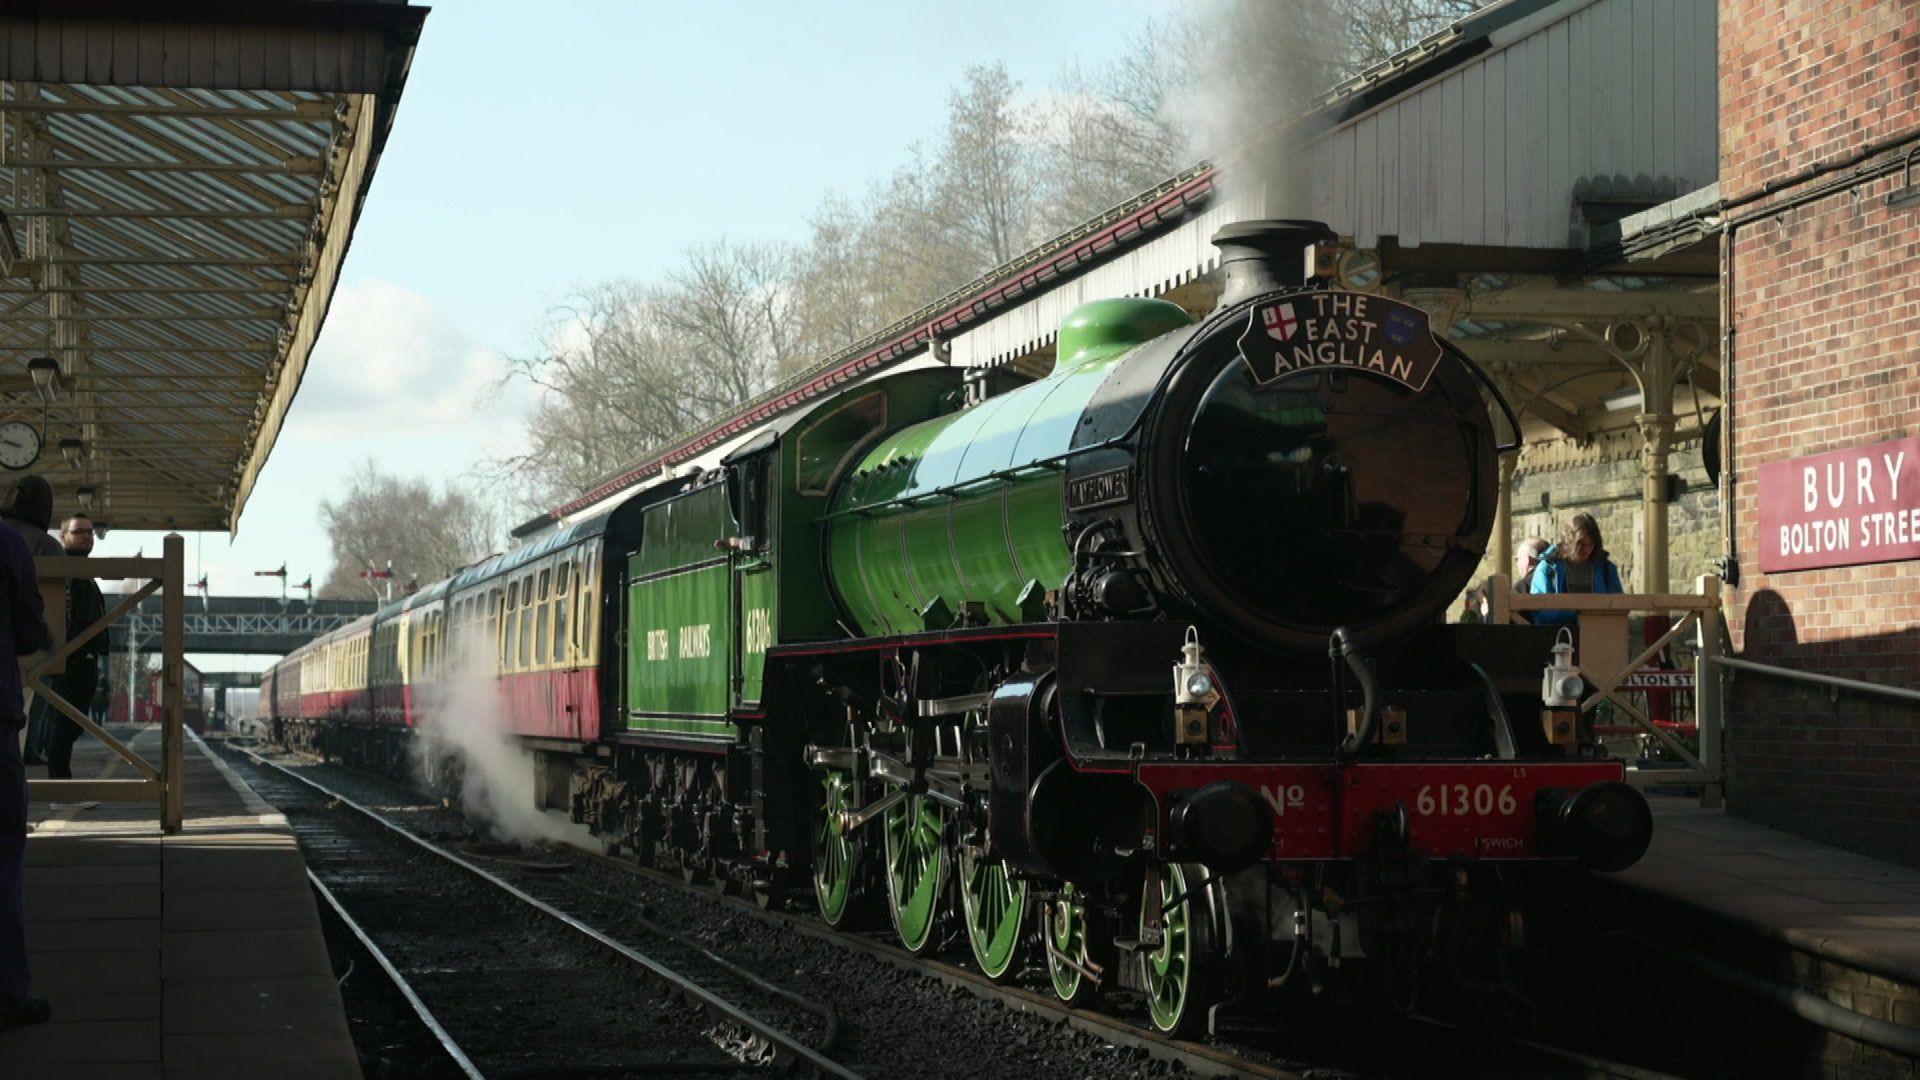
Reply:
x=177, y=194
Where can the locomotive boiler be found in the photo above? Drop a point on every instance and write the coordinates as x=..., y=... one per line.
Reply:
x=1134, y=674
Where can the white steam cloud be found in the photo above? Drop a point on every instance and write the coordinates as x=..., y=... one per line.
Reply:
x=468, y=725
x=1252, y=69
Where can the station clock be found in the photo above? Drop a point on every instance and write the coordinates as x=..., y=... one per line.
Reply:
x=19, y=444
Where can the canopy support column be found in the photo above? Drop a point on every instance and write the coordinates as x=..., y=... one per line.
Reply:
x=1656, y=443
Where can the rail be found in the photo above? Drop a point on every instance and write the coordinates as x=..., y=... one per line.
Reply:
x=1605, y=666
x=166, y=575
x=789, y=1048
x=1832, y=682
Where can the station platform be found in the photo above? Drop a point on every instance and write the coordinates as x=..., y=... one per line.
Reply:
x=1790, y=919
x=193, y=955
x=1843, y=907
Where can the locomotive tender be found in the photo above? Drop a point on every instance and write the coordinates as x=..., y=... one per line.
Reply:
x=1138, y=669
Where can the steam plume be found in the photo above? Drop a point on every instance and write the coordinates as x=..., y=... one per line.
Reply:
x=467, y=724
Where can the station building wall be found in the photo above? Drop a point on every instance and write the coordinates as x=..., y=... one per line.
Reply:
x=1826, y=318
x=1606, y=484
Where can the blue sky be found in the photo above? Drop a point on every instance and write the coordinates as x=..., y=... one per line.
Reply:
x=584, y=141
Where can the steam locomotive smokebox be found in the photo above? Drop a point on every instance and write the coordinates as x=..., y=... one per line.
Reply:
x=1266, y=256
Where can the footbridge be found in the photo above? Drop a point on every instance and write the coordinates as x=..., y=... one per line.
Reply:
x=240, y=624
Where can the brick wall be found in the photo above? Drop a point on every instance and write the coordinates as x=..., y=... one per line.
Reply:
x=1804, y=81
x=1826, y=311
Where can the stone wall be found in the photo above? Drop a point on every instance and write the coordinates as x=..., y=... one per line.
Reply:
x=1605, y=482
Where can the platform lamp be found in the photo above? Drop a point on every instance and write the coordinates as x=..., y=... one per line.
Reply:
x=74, y=451
x=46, y=376
x=85, y=496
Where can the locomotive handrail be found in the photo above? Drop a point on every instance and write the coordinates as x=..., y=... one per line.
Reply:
x=999, y=476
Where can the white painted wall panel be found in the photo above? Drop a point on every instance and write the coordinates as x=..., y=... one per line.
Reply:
x=1615, y=93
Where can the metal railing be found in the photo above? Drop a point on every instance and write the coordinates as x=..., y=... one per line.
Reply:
x=1833, y=683
x=166, y=576
x=1605, y=666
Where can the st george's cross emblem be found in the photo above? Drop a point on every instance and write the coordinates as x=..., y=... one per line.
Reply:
x=1329, y=330
x=1280, y=321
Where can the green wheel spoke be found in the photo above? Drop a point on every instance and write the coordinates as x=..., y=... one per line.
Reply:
x=1068, y=934
x=995, y=907
x=916, y=868
x=836, y=854
x=1167, y=972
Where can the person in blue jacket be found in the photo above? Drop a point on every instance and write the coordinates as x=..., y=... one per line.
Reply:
x=1577, y=564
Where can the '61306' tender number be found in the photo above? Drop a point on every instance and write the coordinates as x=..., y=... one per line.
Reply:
x=1460, y=800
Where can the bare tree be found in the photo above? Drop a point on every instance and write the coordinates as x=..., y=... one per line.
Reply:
x=423, y=533
x=837, y=299
x=732, y=305
x=626, y=366
x=1378, y=30
x=988, y=168
x=1108, y=134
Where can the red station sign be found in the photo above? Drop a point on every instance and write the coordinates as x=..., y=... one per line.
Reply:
x=1841, y=508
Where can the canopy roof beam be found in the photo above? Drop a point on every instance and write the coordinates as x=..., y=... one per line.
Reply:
x=185, y=179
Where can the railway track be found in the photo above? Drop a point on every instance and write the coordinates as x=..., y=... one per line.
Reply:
x=1198, y=1058
x=364, y=862
x=1518, y=1056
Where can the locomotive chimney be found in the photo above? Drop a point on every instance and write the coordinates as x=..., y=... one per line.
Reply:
x=1264, y=256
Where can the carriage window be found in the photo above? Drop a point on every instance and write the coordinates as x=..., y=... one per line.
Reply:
x=511, y=632
x=525, y=628
x=498, y=631
x=562, y=610
x=543, y=618
x=590, y=598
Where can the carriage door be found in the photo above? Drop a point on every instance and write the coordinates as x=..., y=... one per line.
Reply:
x=750, y=498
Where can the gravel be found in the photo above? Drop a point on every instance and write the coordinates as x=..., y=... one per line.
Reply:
x=893, y=1022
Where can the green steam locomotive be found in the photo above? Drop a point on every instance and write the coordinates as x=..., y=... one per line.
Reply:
x=1134, y=674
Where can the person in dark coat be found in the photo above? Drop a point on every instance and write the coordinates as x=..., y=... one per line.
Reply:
x=76, y=682
x=27, y=506
x=23, y=631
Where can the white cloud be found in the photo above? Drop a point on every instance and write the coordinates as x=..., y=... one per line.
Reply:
x=390, y=361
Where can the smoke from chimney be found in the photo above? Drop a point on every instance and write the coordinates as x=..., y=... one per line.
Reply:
x=1254, y=67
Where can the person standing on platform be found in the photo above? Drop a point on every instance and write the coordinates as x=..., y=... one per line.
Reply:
x=102, y=697
x=1478, y=607
x=27, y=505
x=1526, y=559
x=85, y=606
x=23, y=631
x=1577, y=564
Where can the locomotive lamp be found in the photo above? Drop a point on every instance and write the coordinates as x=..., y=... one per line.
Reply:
x=1194, y=693
x=1560, y=690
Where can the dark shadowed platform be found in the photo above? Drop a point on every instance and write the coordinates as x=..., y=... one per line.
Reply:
x=195, y=954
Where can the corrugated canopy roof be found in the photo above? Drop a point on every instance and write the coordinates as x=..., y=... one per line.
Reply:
x=178, y=197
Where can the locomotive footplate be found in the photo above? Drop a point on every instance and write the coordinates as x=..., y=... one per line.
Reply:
x=1472, y=810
